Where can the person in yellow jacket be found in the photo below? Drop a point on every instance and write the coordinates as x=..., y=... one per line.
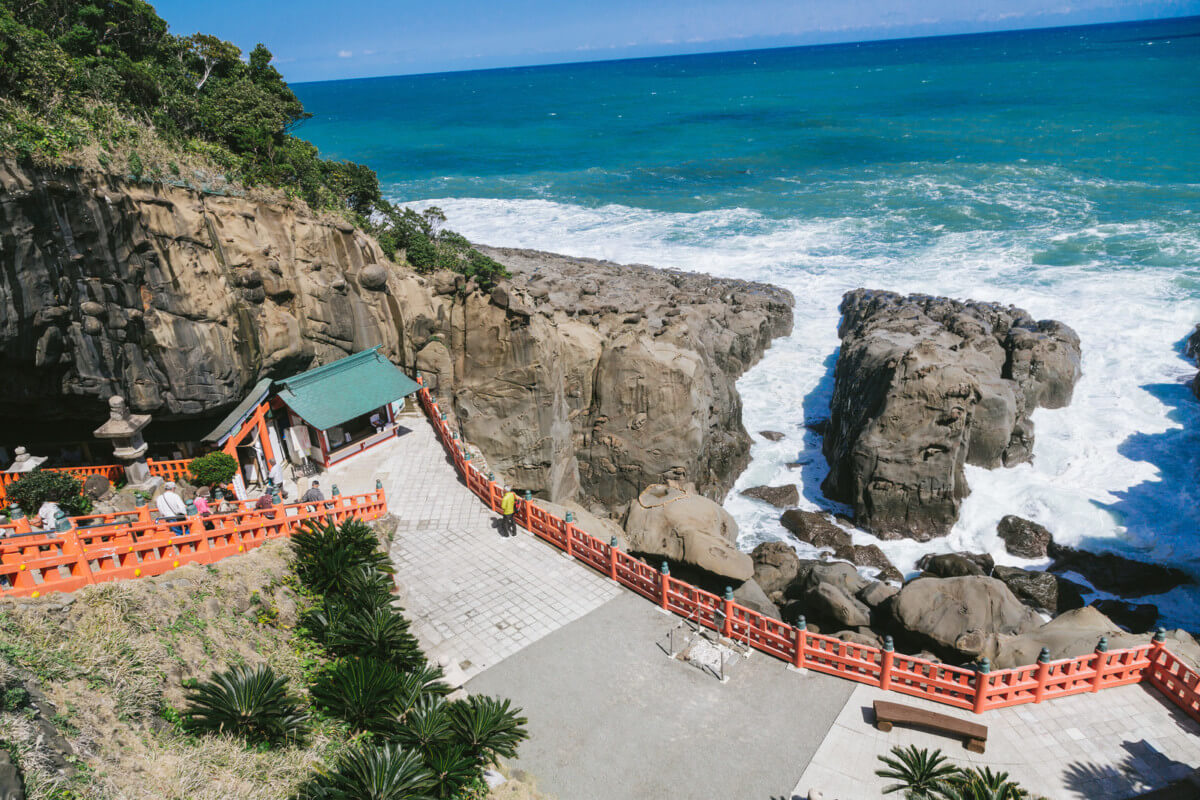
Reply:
x=508, y=507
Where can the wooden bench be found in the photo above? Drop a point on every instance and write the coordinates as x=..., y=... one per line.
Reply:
x=887, y=714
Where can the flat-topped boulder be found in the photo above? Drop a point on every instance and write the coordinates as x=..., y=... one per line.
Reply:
x=925, y=385
x=778, y=496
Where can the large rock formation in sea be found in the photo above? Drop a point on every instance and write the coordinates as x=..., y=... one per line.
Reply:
x=924, y=385
x=577, y=379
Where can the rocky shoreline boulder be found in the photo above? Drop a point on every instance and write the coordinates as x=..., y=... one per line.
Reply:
x=690, y=529
x=778, y=496
x=924, y=385
x=1116, y=574
x=1022, y=537
x=965, y=617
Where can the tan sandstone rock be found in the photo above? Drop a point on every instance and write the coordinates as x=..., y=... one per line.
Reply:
x=689, y=529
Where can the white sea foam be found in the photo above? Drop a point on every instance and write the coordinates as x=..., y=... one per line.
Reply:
x=1116, y=470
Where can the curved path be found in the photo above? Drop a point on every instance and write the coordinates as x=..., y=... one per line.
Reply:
x=611, y=717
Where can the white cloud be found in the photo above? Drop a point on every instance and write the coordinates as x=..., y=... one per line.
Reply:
x=345, y=53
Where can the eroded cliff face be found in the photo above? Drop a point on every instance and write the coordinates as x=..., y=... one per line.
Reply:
x=577, y=379
x=924, y=385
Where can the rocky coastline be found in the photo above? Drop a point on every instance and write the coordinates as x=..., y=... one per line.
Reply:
x=578, y=380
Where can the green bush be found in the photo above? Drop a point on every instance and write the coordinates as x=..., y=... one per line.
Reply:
x=250, y=703
x=489, y=727
x=924, y=775
x=378, y=633
x=40, y=485
x=364, y=692
x=367, y=772
x=327, y=556
x=213, y=469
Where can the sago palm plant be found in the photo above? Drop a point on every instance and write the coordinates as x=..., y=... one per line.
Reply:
x=983, y=784
x=379, y=633
x=417, y=685
x=251, y=703
x=426, y=727
x=920, y=773
x=325, y=555
x=364, y=692
x=367, y=772
x=453, y=768
x=490, y=728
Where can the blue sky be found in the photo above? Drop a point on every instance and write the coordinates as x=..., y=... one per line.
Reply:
x=323, y=40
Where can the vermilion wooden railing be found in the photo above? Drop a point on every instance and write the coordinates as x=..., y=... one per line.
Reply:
x=35, y=564
x=976, y=690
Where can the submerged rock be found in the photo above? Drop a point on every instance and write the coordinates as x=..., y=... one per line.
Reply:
x=814, y=528
x=1023, y=538
x=778, y=496
x=924, y=385
x=1116, y=574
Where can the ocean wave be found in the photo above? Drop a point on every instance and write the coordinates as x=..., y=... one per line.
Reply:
x=1116, y=470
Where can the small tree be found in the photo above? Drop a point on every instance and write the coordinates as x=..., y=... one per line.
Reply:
x=41, y=485
x=213, y=469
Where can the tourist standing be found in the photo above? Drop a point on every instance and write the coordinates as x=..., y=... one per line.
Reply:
x=313, y=495
x=202, y=507
x=171, y=507
x=508, y=507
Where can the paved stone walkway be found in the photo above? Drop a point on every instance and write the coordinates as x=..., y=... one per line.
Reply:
x=472, y=595
x=478, y=599
x=1108, y=746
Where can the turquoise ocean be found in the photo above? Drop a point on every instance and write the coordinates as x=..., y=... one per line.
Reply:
x=1058, y=170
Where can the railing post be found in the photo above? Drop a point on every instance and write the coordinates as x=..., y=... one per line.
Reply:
x=1101, y=663
x=664, y=586
x=1155, y=652
x=568, y=529
x=18, y=516
x=143, y=512
x=983, y=682
x=1043, y=674
x=798, y=660
x=885, y=663
x=526, y=511
x=612, y=558
x=727, y=628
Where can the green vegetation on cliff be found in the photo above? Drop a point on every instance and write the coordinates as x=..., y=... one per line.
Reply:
x=106, y=84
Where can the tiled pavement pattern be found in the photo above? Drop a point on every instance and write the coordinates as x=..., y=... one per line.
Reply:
x=472, y=596
x=478, y=598
x=1107, y=746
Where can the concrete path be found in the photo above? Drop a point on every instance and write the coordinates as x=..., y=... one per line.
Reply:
x=1107, y=746
x=611, y=716
x=472, y=595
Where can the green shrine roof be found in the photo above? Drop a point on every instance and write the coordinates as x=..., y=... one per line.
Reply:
x=234, y=419
x=345, y=389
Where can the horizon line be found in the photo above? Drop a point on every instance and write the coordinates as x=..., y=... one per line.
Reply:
x=812, y=46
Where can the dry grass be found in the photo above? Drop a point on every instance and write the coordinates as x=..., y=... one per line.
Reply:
x=113, y=661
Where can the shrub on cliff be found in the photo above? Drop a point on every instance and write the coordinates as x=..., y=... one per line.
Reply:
x=41, y=485
x=213, y=469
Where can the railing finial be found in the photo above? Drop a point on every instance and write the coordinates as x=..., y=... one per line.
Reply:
x=1044, y=656
x=888, y=645
x=665, y=568
x=984, y=665
x=801, y=623
x=1102, y=645
x=1160, y=635
x=729, y=593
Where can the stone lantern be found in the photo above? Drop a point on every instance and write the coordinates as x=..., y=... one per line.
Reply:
x=125, y=430
x=25, y=462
